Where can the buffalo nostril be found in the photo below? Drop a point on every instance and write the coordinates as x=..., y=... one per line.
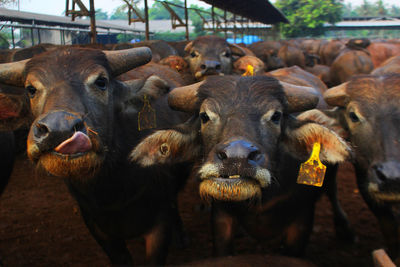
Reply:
x=41, y=130
x=379, y=172
x=79, y=126
x=218, y=67
x=203, y=67
x=255, y=156
x=222, y=155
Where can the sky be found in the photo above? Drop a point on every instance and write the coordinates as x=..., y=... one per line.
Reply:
x=57, y=7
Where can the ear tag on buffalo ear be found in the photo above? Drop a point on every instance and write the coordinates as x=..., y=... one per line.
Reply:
x=312, y=172
x=249, y=71
x=147, y=116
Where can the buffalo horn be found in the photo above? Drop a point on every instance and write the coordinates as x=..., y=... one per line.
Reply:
x=337, y=96
x=12, y=73
x=184, y=98
x=300, y=98
x=122, y=61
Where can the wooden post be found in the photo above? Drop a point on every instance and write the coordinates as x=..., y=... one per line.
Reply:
x=212, y=16
x=32, y=37
x=146, y=16
x=226, y=27
x=93, y=35
x=38, y=33
x=12, y=36
x=187, y=21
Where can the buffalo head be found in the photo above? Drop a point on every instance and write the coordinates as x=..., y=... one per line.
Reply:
x=73, y=102
x=239, y=128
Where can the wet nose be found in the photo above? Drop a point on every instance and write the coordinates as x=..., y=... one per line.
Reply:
x=240, y=149
x=211, y=66
x=388, y=171
x=54, y=128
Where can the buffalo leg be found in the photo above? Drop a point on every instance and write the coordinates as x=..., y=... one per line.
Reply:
x=157, y=242
x=222, y=231
x=298, y=233
x=342, y=225
x=115, y=249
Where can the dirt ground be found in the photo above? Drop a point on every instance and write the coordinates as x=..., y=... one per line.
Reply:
x=40, y=225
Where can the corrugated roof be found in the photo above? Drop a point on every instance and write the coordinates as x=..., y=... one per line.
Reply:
x=256, y=10
x=49, y=20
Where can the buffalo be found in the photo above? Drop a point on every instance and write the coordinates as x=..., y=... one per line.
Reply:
x=211, y=55
x=247, y=148
x=82, y=123
x=367, y=114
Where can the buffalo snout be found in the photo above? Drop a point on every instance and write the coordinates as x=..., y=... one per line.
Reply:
x=209, y=67
x=387, y=172
x=56, y=127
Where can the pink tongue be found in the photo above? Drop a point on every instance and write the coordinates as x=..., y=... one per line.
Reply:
x=78, y=143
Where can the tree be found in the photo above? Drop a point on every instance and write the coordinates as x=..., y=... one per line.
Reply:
x=307, y=17
x=100, y=14
x=7, y=2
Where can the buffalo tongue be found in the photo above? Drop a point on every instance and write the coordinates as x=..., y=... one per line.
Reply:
x=78, y=143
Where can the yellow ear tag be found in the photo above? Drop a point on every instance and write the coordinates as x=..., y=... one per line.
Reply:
x=249, y=71
x=312, y=172
x=147, y=116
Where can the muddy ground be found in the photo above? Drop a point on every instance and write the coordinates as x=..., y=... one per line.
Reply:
x=40, y=225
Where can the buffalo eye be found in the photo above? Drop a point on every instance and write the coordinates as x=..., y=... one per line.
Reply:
x=276, y=117
x=31, y=91
x=101, y=83
x=193, y=54
x=227, y=54
x=353, y=117
x=204, y=117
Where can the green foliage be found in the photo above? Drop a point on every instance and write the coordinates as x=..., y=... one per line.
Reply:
x=367, y=9
x=100, y=14
x=307, y=17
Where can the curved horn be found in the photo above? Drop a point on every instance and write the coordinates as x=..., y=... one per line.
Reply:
x=300, y=98
x=337, y=96
x=184, y=98
x=13, y=73
x=122, y=61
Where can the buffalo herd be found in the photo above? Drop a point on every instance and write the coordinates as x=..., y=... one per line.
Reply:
x=125, y=126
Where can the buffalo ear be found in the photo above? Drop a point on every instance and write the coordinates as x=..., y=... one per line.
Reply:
x=15, y=110
x=300, y=137
x=332, y=119
x=172, y=146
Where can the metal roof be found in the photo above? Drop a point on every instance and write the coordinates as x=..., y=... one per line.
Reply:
x=256, y=10
x=28, y=18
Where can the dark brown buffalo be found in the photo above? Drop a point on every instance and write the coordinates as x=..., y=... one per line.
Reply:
x=292, y=56
x=381, y=51
x=297, y=76
x=159, y=48
x=12, y=55
x=83, y=124
x=247, y=146
x=350, y=62
x=211, y=55
x=241, y=66
x=391, y=65
x=170, y=76
x=330, y=50
x=322, y=72
x=267, y=51
x=369, y=117
x=7, y=154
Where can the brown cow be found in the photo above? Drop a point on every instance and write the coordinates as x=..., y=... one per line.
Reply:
x=292, y=56
x=83, y=122
x=368, y=115
x=211, y=55
x=245, y=143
